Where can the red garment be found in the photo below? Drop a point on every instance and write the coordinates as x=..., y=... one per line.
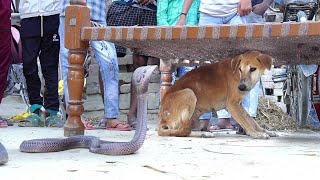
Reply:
x=5, y=43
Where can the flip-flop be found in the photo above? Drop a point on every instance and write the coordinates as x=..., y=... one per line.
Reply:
x=116, y=128
x=101, y=125
x=3, y=124
x=88, y=126
x=32, y=120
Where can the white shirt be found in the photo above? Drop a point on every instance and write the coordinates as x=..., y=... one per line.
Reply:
x=219, y=8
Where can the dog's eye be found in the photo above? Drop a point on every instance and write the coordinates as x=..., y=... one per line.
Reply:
x=252, y=69
x=240, y=70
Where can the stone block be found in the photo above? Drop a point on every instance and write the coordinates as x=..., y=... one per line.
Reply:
x=123, y=117
x=123, y=69
x=124, y=101
x=125, y=60
x=91, y=114
x=94, y=70
x=153, y=100
x=125, y=88
x=93, y=103
x=153, y=117
x=153, y=87
x=92, y=85
x=155, y=78
x=125, y=77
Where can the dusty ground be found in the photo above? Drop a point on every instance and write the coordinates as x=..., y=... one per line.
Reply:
x=289, y=156
x=294, y=155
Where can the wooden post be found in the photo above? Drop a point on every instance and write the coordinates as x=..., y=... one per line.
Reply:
x=77, y=16
x=166, y=69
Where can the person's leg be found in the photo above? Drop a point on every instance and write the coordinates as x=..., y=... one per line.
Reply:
x=49, y=60
x=5, y=54
x=5, y=45
x=123, y=15
x=64, y=64
x=250, y=102
x=106, y=57
x=142, y=18
x=206, y=19
x=30, y=52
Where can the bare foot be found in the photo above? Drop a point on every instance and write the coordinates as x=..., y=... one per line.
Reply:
x=116, y=125
x=132, y=121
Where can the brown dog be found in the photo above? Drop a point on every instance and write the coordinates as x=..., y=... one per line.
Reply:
x=221, y=85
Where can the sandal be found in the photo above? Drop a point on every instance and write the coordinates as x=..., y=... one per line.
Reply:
x=32, y=120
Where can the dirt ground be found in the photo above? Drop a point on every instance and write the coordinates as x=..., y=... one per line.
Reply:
x=289, y=156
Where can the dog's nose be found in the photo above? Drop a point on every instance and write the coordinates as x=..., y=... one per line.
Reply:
x=242, y=87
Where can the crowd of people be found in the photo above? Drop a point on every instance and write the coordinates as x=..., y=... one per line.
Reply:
x=42, y=35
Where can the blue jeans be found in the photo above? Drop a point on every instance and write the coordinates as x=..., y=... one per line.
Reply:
x=106, y=57
x=250, y=102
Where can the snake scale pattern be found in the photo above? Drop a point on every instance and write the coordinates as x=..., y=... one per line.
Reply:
x=140, y=81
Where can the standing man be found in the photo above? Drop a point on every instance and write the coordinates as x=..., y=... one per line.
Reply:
x=40, y=39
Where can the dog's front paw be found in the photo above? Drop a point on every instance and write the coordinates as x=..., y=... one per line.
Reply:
x=259, y=135
x=271, y=133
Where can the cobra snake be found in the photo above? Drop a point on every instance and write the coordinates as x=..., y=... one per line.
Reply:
x=140, y=81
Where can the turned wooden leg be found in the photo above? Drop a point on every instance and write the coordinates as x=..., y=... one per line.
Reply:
x=77, y=16
x=166, y=69
x=74, y=125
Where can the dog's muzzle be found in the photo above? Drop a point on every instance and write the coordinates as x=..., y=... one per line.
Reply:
x=242, y=87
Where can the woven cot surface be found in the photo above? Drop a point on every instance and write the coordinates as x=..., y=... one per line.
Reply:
x=284, y=41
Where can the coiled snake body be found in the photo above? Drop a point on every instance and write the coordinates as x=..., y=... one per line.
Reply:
x=140, y=82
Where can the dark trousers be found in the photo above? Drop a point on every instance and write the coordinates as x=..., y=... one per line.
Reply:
x=47, y=47
x=5, y=44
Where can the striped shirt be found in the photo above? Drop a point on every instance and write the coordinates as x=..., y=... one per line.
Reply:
x=97, y=8
x=152, y=6
x=219, y=8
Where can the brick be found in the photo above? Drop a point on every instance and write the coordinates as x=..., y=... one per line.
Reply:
x=125, y=88
x=276, y=71
x=277, y=92
x=266, y=78
x=278, y=85
x=269, y=85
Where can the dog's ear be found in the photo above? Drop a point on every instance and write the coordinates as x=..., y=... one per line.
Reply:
x=265, y=60
x=235, y=62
